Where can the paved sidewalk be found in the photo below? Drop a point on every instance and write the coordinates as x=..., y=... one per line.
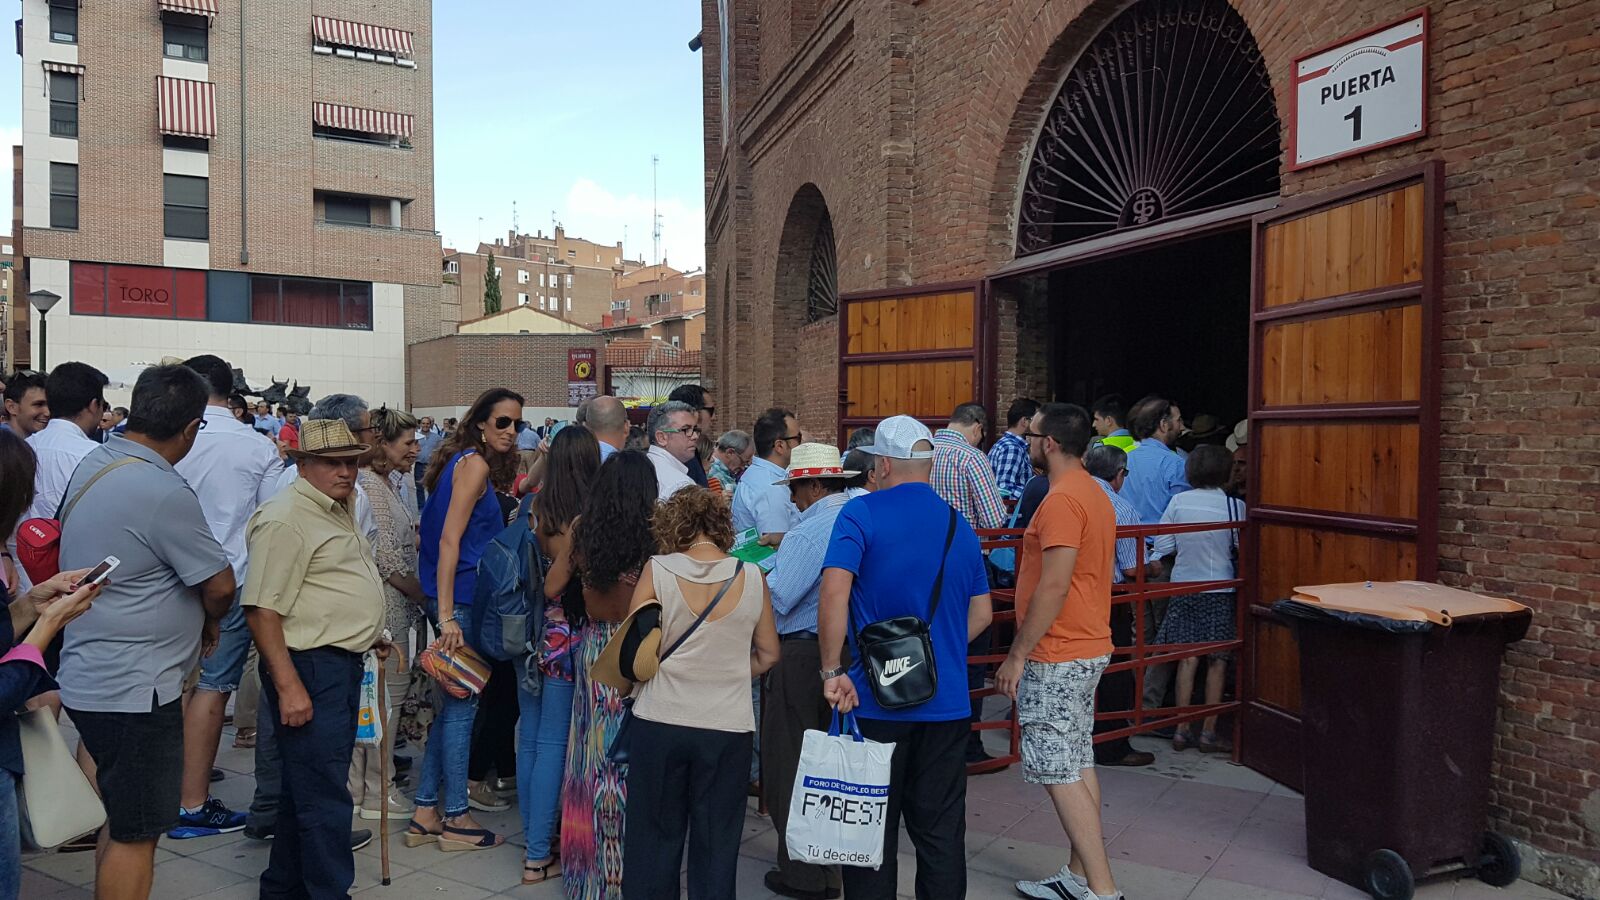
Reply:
x=1188, y=828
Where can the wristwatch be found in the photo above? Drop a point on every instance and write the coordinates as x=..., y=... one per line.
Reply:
x=833, y=673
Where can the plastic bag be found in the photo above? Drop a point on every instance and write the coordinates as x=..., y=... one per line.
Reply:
x=369, y=728
x=841, y=797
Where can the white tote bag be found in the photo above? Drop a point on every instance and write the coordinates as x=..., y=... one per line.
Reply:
x=369, y=725
x=56, y=801
x=841, y=796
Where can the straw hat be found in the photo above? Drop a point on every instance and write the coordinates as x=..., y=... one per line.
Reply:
x=816, y=461
x=327, y=439
x=1240, y=436
x=634, y=652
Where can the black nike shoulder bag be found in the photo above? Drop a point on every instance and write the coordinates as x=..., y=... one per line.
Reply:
x=898, y=653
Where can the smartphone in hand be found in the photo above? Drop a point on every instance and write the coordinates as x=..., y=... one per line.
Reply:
x=99, y=574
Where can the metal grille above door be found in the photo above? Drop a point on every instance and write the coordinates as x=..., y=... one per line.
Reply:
x=822, y=285
x=1168, y=112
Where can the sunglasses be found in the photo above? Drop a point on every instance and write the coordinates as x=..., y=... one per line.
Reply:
x=794, y=437
x=502, y=422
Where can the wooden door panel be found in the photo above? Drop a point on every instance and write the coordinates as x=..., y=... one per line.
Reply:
x=916, y=352
x=1351, y=467
x=1344, y=435
x=1372, y=356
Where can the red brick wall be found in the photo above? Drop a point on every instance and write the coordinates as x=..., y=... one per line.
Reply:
x=915, y=121
x=454, y=370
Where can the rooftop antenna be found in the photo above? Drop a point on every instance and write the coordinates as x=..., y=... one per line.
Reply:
x=655, y=209
x=515, y=228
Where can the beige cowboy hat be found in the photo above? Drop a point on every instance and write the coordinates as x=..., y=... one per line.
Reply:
x=634, y=652
x=327, y=439
x=816, y=461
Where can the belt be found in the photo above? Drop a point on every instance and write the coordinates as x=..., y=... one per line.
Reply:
x=798, y=636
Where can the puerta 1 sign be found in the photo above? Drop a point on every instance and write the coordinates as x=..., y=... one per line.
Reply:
x=1367, y=91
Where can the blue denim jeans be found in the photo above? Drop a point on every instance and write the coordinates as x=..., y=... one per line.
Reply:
x=449, y=750
x=541, y=757
x=10, y=838
x=222, y=671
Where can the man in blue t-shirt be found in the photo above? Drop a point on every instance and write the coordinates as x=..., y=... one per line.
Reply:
x=881, y=563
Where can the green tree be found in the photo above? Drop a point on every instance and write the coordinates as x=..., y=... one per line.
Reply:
x=491, y=288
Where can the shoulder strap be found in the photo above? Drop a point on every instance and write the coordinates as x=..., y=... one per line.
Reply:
x=66, y=507
x=700, y=619
x=938, y=581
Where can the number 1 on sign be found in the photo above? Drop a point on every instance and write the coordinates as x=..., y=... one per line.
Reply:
x=1354, y=118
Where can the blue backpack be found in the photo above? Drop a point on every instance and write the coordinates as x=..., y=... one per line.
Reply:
x=508, y=608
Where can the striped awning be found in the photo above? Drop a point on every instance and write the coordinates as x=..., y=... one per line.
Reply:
x=65, y=68
x=207, y=8
x=355, y=34
x=188, y=108
x=368, y=121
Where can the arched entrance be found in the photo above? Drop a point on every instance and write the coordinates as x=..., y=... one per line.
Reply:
x=806, y=283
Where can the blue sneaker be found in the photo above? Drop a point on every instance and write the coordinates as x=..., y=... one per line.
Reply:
x=212, y=818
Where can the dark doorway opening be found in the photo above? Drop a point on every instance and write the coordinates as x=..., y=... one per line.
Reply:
x=1172, y=320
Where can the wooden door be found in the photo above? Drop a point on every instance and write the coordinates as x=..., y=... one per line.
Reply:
x=1344, y=420
x=914, y=351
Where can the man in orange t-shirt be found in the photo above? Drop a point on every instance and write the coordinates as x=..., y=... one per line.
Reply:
x=1063, y=645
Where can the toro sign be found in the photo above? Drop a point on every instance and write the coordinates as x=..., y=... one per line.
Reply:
x=1367, y=91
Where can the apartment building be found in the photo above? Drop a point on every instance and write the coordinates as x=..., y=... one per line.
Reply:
x=565, y=276
x=253, y=180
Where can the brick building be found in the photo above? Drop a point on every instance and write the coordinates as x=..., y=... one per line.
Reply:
x=658, y=302
x=462, y=366
x=947, y=184
x=562, y=275
x=254, y=180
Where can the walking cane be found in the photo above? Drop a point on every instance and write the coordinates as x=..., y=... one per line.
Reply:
x=383, y=769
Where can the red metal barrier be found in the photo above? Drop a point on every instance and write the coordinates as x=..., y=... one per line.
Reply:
x=1136, y=657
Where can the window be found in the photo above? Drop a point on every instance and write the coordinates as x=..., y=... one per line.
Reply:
x=347, y=210
x=541, y=301
x=63, y=195
x=63, y=104
x=522, y=299
x=522, y=276
x=311, y=302
x=188, y=208
x=184, y=37
x=541, y=279
x=569, y=279
x=453, y=267
x=674, y=340
x=64, y=22
x=140, y=292
x=569, y=304
x=181, y=142
x=572, y=254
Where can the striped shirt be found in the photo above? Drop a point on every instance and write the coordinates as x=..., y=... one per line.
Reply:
x=962, y=477
x=1127, y=553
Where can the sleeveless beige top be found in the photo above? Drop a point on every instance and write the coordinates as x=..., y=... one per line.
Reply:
x=706, y=682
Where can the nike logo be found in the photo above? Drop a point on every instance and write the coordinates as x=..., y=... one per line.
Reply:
x=896, y=669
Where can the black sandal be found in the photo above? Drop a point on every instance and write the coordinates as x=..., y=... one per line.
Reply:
x=416, y=835
x=544, y=871
x=481, y=839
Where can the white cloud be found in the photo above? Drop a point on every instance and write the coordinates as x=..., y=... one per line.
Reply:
x=592, y=212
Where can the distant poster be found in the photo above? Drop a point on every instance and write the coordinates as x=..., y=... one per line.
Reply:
x=1367, y=91
x=581, y=364
x=579, y=391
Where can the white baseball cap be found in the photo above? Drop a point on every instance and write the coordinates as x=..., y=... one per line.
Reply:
x=897, y=438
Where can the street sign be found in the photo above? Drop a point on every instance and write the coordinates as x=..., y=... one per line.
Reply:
x=1369, y=90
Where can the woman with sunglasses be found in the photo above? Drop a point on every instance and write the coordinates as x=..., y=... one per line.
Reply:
x=461, y=517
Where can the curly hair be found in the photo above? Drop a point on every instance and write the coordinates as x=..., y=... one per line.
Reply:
x=613, y=538
x=691, y=512
x=469, y=436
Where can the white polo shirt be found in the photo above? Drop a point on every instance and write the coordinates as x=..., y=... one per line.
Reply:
x=58, y=447
x=233, y=469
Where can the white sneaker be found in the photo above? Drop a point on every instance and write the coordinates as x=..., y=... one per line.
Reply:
x=1064, y=885
x=398, y=806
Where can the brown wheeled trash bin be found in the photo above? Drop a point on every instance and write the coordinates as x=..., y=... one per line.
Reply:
x=1399, y=682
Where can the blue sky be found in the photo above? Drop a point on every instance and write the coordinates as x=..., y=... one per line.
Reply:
x=559, y=107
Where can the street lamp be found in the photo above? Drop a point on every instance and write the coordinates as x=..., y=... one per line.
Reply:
x=43, y=301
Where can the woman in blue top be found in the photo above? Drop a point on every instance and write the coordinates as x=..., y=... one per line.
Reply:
x=461, y=518
x=27, y=626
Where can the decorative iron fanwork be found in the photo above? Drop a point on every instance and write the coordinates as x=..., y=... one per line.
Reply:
x=822, y=287
x=1168, y=112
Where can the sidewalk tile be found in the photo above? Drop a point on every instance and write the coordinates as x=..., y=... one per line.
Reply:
x=1151, y=882
x=1265, y=834
x=245, y=857
x=243, y=890
x=992, y=816
x=422, y=886
x=1006, y=787
x=43, y=887
x=1282, y=810
x=1226, y=774
x=1190, y=793
x=1267, y=869
x=1168, y=851
x=183, y=878
x=493, y=870
x=1011, y=858
x=1469, y=888
x=1220, y=889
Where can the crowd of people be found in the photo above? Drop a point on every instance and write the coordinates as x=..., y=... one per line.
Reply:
x=281, y=558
